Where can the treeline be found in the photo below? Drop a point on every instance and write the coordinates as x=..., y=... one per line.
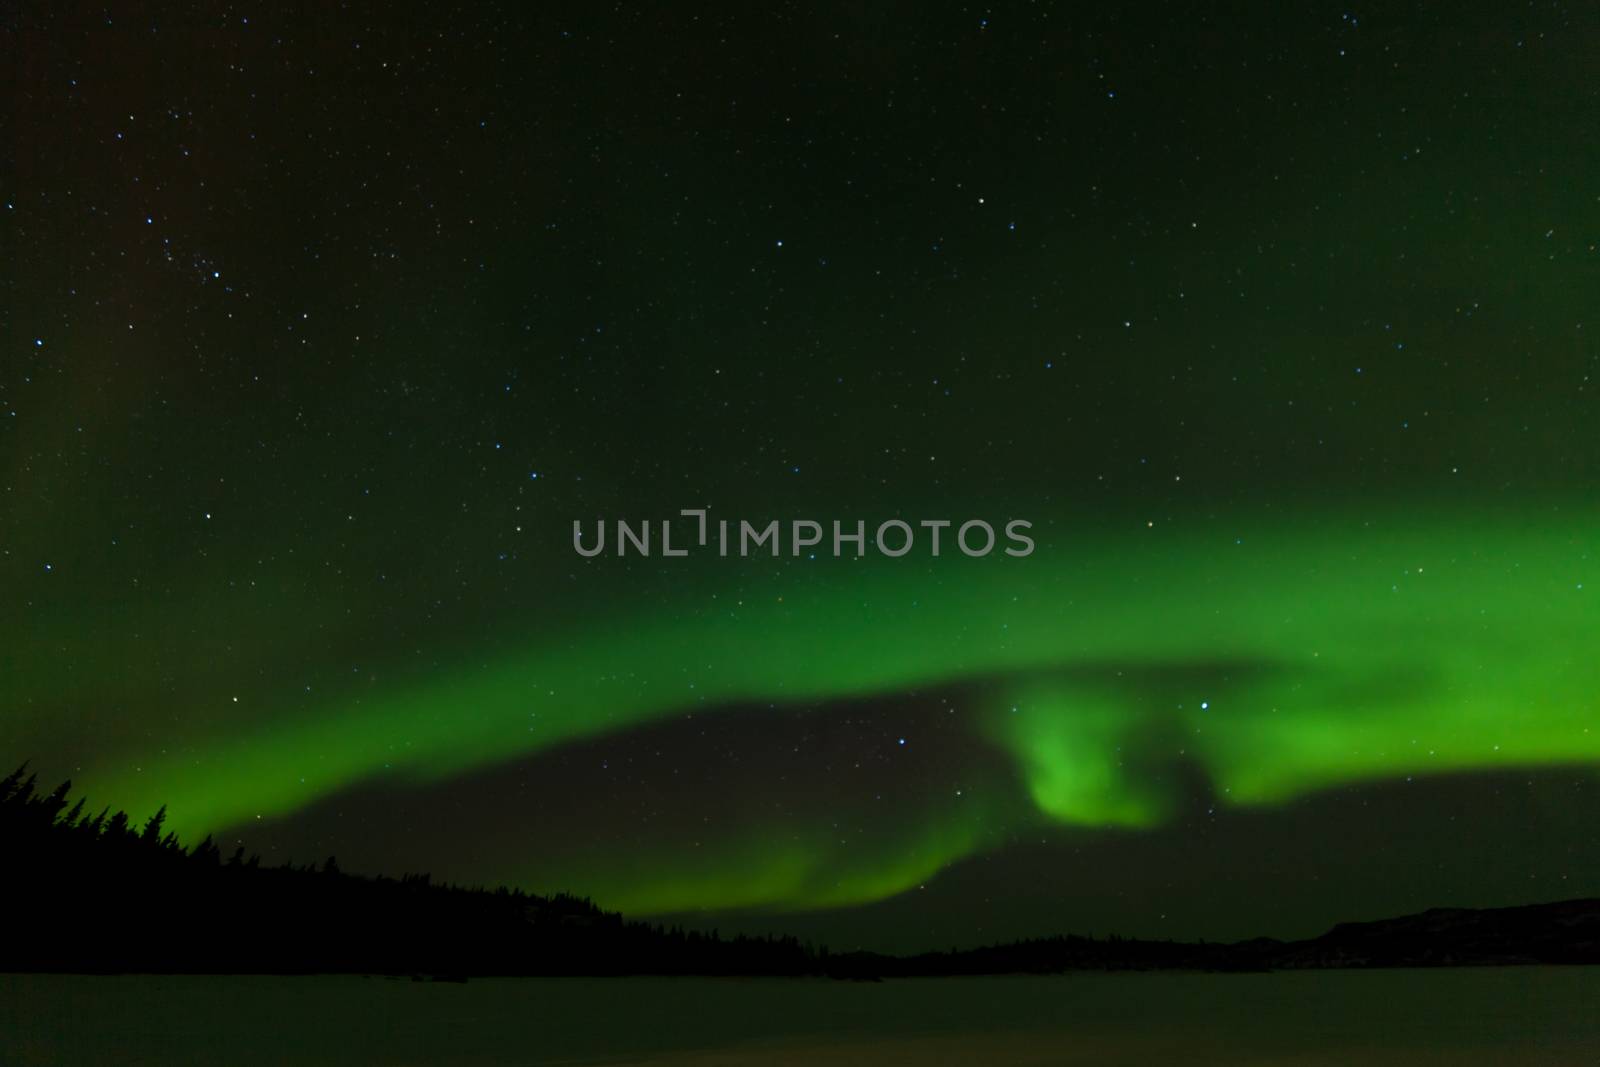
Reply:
x=98, y=893
x=1563, y=932
x=1053, y=955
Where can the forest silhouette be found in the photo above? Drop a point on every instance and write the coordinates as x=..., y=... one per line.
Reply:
x=96, y=893
x=100, y=894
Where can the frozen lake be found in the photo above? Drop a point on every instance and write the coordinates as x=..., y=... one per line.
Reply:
x=1468, y=1016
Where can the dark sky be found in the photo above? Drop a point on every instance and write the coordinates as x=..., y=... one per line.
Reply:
x=324, y=324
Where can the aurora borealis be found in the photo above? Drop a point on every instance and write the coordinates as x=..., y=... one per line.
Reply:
x=1277, y=327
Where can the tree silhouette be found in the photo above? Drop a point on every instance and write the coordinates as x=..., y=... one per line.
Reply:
x=302, y=918
x=94, y=895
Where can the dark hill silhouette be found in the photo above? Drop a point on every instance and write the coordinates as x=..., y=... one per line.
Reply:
x=96, y=894
x=1565, y=932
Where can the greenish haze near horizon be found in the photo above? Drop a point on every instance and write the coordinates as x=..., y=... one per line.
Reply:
x=1277, y=321
x=1280, y=655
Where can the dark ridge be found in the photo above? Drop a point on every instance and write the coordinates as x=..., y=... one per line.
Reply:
x=1565, y=932
x=96, y=894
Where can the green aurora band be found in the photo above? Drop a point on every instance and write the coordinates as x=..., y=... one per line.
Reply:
x=1279, y=656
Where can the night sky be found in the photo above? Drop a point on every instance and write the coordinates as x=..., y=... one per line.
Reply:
x=324, y=324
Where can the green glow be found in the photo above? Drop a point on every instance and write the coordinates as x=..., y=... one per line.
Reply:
x=1324, y=649
x=773, y=868
x=1073, y=748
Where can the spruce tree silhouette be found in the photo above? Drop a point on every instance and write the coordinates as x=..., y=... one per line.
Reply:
x=96, y=895
x=243, y=917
